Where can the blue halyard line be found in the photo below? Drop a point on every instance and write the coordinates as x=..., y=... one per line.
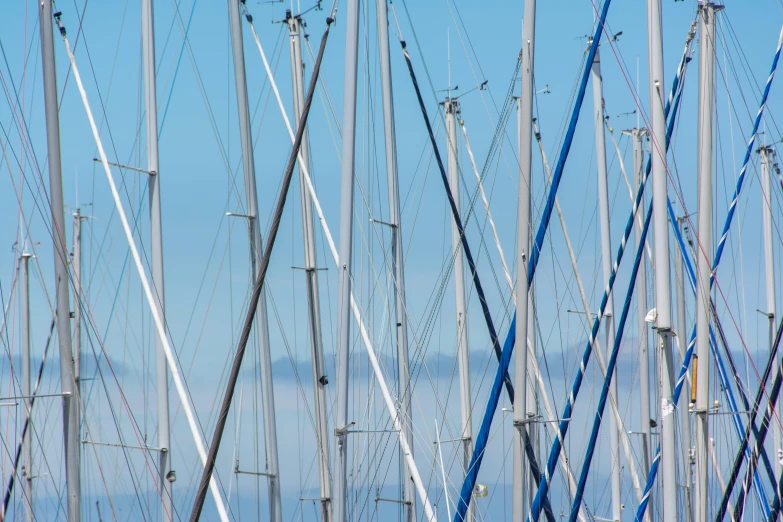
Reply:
x=609, y=373
x=669, y=108
x=569, y=138
x=508, y=345
x=748, y=152
x=471, y=263
x=739, y=428
x=718, y=254
x=554, y=453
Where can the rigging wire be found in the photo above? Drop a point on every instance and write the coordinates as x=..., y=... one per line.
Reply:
x=210, y=461
x=34, y=247
x=609, y=372
x=718, y=254
x=169, y=353
x=307, y=176
x=17, y=456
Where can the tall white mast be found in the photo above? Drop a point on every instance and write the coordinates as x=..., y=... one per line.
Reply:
x=63, y=308
x=27, y=390
x=662, y=272
x=704, y=249
x=525, y=136
x=265, y=359
x=685, y=418
x=637, y=135
x=606, y=263
x=311, y=278
x=156, y=253
x=343, y=347
x=397, y=258
x=463, y=354
x=767, y=159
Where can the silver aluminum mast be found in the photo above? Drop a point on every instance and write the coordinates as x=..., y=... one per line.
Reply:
x=27, y=391
x=63, y=308
x=704, y=250
x=76, y=269
x=637, y=135
x=532, y=393
x=262, y=323
x=682, y=339
x=662, y=272
x=606, y=262
x=525, y=137
x=397, y=258
x=156, y=253
x=343, y=348
x=452, y=109
x=767, y=158
x=311, y=278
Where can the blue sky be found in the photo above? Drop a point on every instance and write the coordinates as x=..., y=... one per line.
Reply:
x=206, y=253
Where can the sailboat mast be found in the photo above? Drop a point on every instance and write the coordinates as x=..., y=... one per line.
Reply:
x=641, y=310
x=63, y=307
x=685, y=419
x=339, y=508
x=27, y=391
x=525, y=137
x=76, y=268
x=311, y=278
x=767, y=155
x=463, y=354
x=661, y=242
x=256, y=249
x=156, y=254
x=606, y=263
x=532, y=394
x=397, y=259
x=704, y=251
